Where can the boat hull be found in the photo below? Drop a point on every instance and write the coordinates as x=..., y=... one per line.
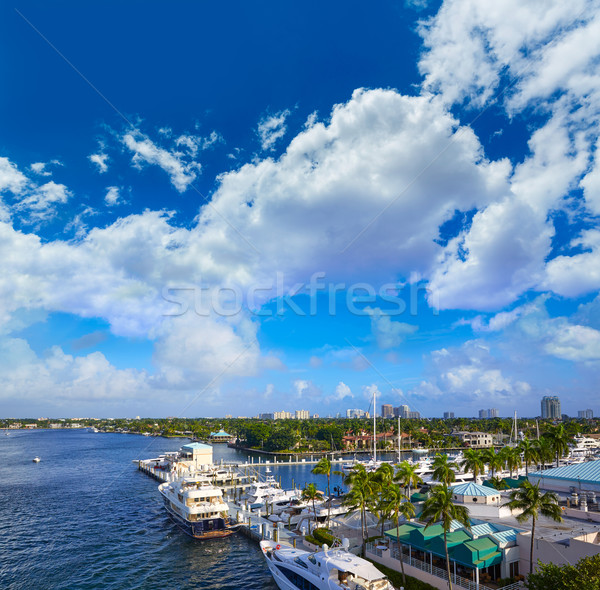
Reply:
x=213, y=528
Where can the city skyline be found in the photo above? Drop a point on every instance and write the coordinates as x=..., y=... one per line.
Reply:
x=289, y=211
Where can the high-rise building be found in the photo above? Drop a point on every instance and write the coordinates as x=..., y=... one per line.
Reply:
x=585, y=414
x=401, y=411
x=483, y=414
x=266, y=416
x=387, y=411
x=493, y=413
x=448, y=415
x=356, y=414
x=551, y=407
x=283, y=415
x=301, y=415
x=413, y=415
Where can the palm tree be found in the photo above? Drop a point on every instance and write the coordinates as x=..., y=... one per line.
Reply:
x=499, y=483
x=559, y=441
x=473, y=462
x=443, y=469
x=439, y=507
x=530, y=454
x=310, y=493
x=406, y=475
x=533, y=504
x=323, y=467
x=512, y=457
x=396, y=504
x=364, y=487
x=493, y=460
x=544, y=451
x=385, y=477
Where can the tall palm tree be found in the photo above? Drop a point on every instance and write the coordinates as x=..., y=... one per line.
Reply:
x=364, y=487
x=406, y=475
x=396, y=504
x=439, y=507
x=323, y=467
x=493, y=460
x=310, y=493
x=559, y=441
x=533, y=504
x=544, y=451
x=384, y=476
x=473, y=462
x=512, y=458
x=530, y=454
x=443, y=469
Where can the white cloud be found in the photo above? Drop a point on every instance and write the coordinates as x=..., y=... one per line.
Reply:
x=304, y=388
x=100, y=161
x=145, y=151
x=271, y=129
x=11, y=179
x=342, y=391
x=41, y=202
x=113, y=196
x=388, y=333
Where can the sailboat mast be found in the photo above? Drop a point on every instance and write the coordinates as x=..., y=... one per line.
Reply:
x=399, y=439
x=374, y=426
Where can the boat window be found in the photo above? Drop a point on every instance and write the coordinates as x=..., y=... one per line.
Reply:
x=312, y=559
x=300, y=562
x=296, y=579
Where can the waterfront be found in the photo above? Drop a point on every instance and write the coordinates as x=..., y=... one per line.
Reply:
x=85, y=518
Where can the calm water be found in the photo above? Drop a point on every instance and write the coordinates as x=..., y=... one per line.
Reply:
x=86, y=518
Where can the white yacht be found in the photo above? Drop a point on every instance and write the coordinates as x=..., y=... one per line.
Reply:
x=36, y=459
x=330, y=569
x=197, y=507
x=270, y=491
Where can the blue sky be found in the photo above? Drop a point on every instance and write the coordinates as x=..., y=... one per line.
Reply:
x=233, y=208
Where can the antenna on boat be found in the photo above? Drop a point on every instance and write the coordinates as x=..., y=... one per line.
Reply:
x=399, y=438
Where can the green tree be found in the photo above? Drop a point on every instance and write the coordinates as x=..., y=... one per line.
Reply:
x=407, y=476
x=439, y=507
x=512, y=459
x=533, y=504
x=323, y=467
x=443, y=469
x=364, y=488
x=530, y=454
x=499, y=483
x=559, y=441
x=473, y=462
x=310, y=493
x=544, y=451
x=493, y=460
x=585, y=574
x=395, y=505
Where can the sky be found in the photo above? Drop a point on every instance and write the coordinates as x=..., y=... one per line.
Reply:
x=226, y=208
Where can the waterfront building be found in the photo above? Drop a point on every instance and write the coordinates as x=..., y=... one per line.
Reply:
x=283, y=415
x=194, y=455
x=585, y=414
x=493, y=413
x=387, y=411
x=583, y=479
x=363, y=440
x=301, y=415
x=220, y=437
x=482, y=414
x=401, y=411
x=550, y=406
x=478, y=440
x=448, y=415
x=414, y=416
x=315, y=416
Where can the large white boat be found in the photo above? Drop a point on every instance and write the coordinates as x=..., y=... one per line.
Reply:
x=330, y=569
x=197, y=507
x=270, y=491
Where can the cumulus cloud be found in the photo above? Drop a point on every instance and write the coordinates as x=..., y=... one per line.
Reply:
x=305, y=388
x=271, y=129
x=145, y=152
x=100, y=161
x=41, y=168
x=41, y=202
x=113, y=196
x=11, y=179
x=342, y=391
x=388, y=333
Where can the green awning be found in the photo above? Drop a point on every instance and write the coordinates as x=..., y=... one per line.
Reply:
x=404, y=530
x=418, y=497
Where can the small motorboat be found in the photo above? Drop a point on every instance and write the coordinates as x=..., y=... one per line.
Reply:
x=36, y=459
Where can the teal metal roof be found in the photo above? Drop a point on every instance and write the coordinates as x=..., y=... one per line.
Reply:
x=505, y=536
x=220, y=433
x=195, y=446
x=473, y=489
x=588, y=472
x=485, y=528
